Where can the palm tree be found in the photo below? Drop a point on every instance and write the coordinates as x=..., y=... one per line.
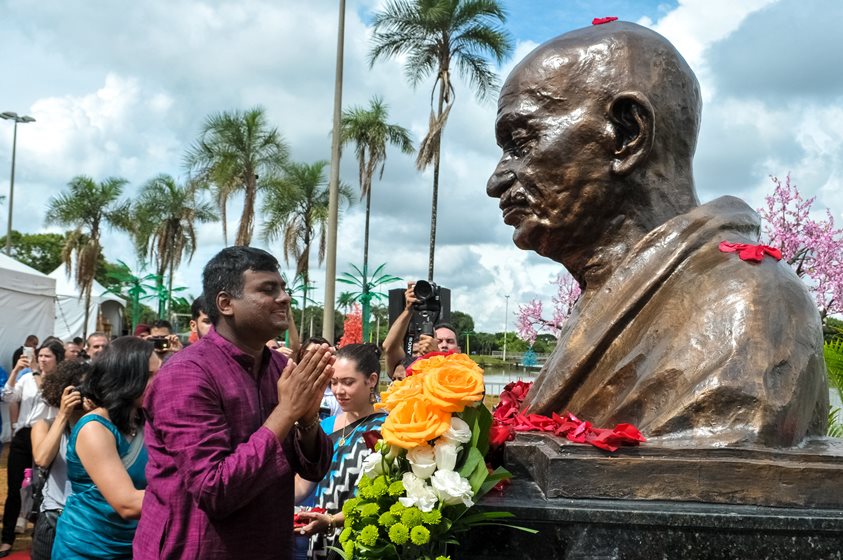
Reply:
x=296, y=206
x=369, y=131
x=165, y=215
x=345, y=301
x=366, y=292
x=87, y=207
x=237, y=151
x=433, y=34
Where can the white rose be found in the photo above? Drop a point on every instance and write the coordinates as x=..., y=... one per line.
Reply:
x=373, y=465
x=419, y=493
x=459, y=431
x=445, y=453
x=451, y=488
x=422, y=461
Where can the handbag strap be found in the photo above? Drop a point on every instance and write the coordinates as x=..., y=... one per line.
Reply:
x=134, y=450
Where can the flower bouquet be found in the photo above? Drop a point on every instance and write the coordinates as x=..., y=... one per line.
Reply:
x=419, y=486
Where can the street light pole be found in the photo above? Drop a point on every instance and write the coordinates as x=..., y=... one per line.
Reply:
x=17, y=119
x=505, y=325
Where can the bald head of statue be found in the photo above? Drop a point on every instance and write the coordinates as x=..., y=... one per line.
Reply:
x=598, y=129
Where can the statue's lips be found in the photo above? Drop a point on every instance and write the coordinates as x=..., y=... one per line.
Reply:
x=512, y=215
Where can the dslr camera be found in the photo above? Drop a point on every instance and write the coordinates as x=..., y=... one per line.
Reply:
x=432, y=306
x=427, y=309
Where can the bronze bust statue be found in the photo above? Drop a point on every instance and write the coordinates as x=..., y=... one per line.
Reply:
x=598, y=129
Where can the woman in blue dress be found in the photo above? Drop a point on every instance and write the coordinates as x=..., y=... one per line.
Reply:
x=355, y=385
x=106, y=457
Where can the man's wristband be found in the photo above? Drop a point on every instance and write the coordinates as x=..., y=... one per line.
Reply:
x=302, y=427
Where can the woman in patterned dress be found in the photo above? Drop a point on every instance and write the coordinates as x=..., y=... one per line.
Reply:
x=355, y=383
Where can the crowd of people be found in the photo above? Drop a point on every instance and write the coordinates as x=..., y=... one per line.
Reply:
x=147, y=446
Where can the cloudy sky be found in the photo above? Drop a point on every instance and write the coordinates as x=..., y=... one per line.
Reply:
x=122, y=88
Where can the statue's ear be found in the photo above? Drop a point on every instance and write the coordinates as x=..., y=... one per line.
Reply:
x=634, y=125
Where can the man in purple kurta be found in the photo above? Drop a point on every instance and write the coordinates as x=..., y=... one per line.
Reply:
x=229, y=423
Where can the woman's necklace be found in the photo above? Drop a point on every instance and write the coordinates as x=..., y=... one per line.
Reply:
x=342, y=438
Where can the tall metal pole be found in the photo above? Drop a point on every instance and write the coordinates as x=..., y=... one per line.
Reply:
x=505, y=324
x=333, y=198
x=12, y=191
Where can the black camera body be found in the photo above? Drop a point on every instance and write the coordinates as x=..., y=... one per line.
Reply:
x=161, y=343
x=433, y=306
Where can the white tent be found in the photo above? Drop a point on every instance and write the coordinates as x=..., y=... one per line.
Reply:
x=70, y=308
x=27, y=301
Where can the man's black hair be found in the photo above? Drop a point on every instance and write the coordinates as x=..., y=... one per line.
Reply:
x=118, y=378
x=197, y=307
x=162, y=324
x=317, y=340
x=224, y=273
x=448, y=326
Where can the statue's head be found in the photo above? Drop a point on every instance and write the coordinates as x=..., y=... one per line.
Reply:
x=597, y=126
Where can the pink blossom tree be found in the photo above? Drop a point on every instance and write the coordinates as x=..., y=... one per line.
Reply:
x=530, y=321
x=814, y=248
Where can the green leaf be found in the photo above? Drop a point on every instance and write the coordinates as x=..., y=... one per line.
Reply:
x=479, y=419
x=339, y=551
x=472, y=458
x=518, y=527
x=486, y=516
x=499, y=474
x=478, y=476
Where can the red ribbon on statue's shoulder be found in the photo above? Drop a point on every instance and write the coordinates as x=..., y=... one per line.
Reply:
x=749, y=252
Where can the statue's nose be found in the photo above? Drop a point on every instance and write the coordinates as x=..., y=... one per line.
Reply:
x=500, y=181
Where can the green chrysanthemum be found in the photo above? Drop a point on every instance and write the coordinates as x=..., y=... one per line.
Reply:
x=369, y=510
x=349, y=507
x=368, y=536
x=443, y=558
x=411, y=517
x=396, y=489
x=396, y=508
x=399, y=533
x=345, y=534
x=368, y=493
x=348, y=548
x=433, y=517
x=387, y=520
x=379, y=487
x=364, y=481
x=420, y=535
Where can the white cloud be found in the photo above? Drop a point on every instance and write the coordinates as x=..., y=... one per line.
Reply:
x=129, y=104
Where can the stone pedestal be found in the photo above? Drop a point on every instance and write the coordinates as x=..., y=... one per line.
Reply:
x=650, y=503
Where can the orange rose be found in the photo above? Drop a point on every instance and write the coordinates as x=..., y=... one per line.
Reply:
x=413, y=422
x=454, y=384
x=399, y=391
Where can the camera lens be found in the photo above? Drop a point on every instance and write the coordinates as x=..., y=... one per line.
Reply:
x=423, y=290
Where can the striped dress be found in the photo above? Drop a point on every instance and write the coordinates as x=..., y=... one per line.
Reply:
x=339, y=484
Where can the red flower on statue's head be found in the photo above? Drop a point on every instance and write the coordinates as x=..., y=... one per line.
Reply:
x=602, y=20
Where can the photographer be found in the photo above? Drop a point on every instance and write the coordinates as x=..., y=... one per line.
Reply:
x=442, y=337
x=161, y=336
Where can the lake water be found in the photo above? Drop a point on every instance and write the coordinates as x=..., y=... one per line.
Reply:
x=497, y=377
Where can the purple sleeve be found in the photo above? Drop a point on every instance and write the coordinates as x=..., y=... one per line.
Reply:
x=187, y=418
x=310, y=468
